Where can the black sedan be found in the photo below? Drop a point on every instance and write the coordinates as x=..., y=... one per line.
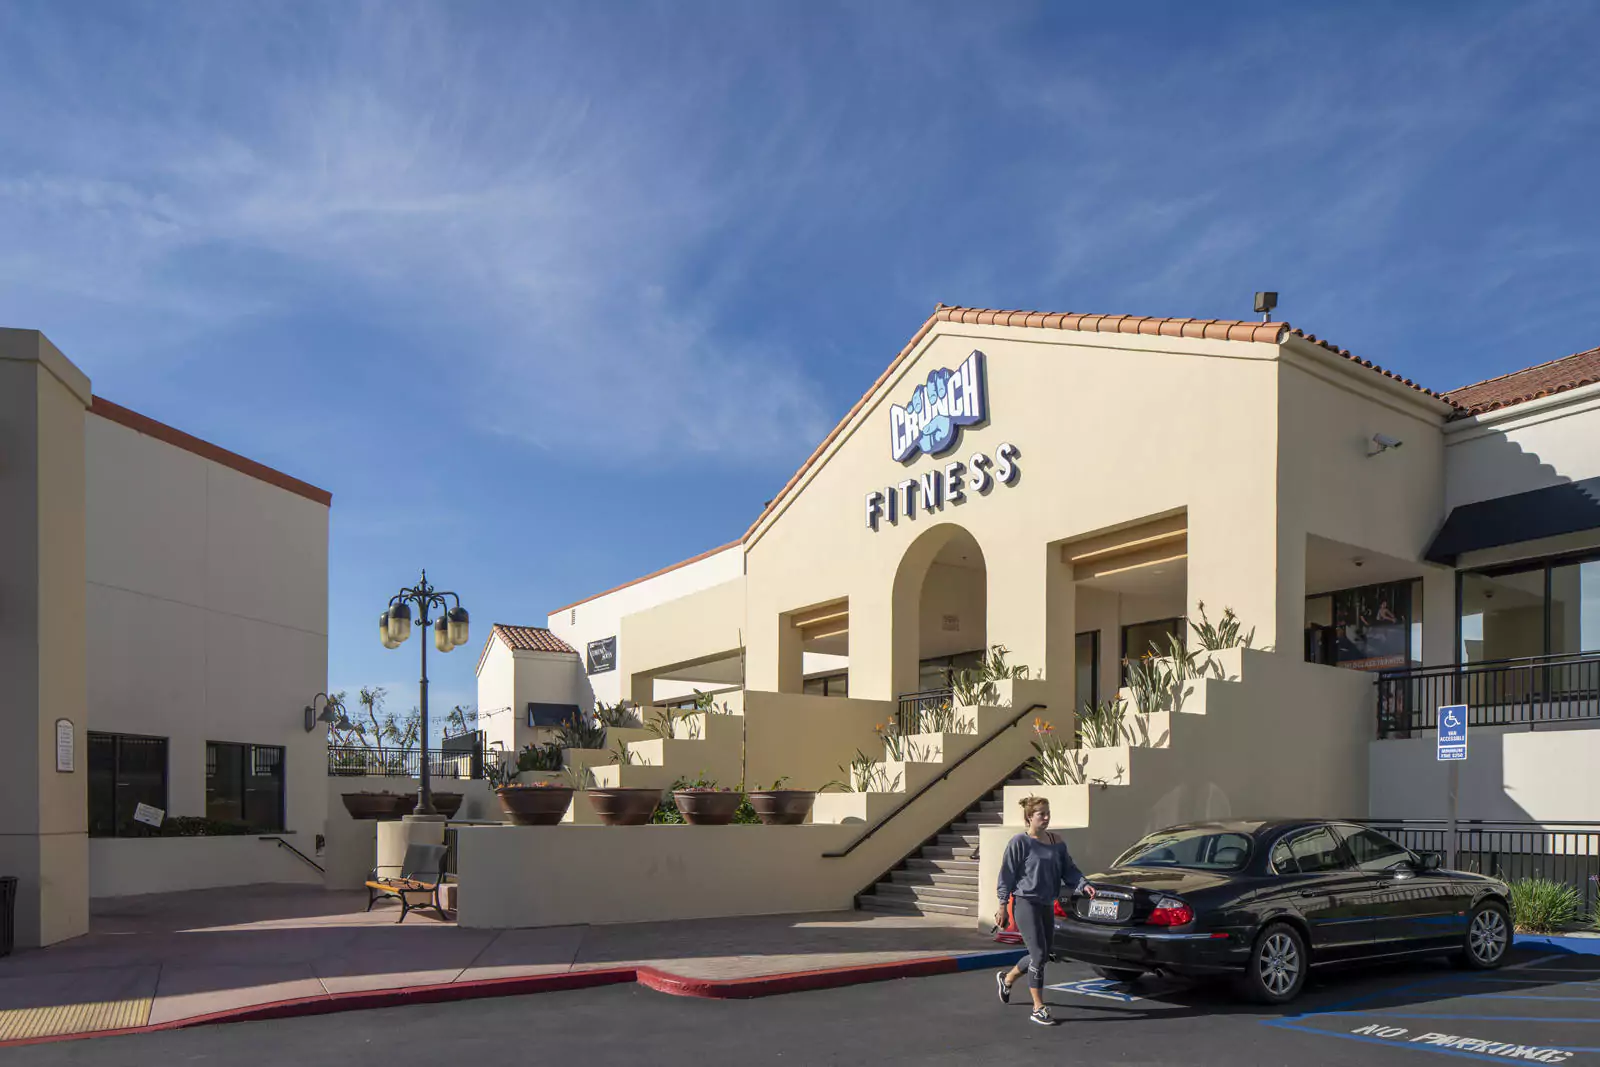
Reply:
x=1264, y=901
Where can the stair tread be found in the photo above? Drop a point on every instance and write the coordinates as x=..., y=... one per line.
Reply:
x=941, y=863
x=934, y=878
x=911, y=908
x=960, y=893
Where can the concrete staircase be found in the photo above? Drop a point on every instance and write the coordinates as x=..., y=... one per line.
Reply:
x=942, y=878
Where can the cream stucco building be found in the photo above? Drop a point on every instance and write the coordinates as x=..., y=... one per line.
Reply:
x=163, y=620
x=1074, y=488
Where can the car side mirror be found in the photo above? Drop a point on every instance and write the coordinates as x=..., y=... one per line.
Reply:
x=1431, y=861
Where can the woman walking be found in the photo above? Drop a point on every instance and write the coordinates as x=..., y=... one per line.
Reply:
x=1035, y=867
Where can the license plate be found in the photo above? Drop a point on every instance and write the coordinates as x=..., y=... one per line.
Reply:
x=1102, y=909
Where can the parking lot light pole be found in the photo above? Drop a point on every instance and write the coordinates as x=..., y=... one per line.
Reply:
x=449, y=631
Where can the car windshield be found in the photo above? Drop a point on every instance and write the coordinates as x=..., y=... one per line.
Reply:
x=1196, y=847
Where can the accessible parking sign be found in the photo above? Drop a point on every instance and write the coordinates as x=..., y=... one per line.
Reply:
x=1453, y=732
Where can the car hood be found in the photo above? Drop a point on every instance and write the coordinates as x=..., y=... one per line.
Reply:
x=1163, y=879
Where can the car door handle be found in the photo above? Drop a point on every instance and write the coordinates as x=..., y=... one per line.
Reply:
x=1313, y=892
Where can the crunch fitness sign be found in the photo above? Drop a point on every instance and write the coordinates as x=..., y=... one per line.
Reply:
x=929, y=425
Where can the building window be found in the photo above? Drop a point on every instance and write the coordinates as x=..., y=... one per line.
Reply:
x=828, y=685
x=1149, y=639
x=244, y=784
x=1551, y=608
x=936, y=672
x=1086, y=653
x=124, y=772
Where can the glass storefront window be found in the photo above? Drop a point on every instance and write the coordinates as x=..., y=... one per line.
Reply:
x=1502, y=615
x=1152, y=638
x=1575, y=607
x=1086, y=653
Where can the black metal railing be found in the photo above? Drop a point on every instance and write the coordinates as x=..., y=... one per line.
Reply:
x=1533, y=690
x=924, y=712
x=1567, y=852
x=355, y=761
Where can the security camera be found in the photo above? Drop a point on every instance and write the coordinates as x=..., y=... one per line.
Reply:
x=1384, y=442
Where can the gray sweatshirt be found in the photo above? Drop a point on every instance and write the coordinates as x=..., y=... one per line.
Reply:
x=1035, y=870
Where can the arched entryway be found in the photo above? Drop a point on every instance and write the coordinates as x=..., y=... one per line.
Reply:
x=940, y=618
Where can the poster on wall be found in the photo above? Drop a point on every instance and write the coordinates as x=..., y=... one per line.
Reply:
x=1372, y=626
x=602, y=655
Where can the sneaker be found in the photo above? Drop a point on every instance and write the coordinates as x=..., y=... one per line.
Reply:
x=1005, y=990
x=1042, y=1017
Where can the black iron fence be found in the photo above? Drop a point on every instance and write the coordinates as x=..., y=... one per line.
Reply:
x=355, y=761
x=1560, y=852
x=928, y=711
x=1533, y=690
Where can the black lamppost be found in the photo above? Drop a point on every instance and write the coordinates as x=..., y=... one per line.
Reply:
x=449, y=630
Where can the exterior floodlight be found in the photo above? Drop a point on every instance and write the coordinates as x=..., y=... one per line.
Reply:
x=441, y=635
x=458, y=625
x=399, y=623
x=1265, y=302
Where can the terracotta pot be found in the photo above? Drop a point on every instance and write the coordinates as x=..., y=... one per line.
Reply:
x=707, y=807
x=447, y=804
x=372, y=805
x=535, y=805
x=401, y=805
x=624, y=807
x=783, y=807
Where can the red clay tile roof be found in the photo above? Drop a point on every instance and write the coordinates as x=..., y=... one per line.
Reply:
x=531, y=639
x=524, y=639
x=1345, y=352
x=1546, y=379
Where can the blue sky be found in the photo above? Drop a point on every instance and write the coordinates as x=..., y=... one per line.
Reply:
x=550, y=295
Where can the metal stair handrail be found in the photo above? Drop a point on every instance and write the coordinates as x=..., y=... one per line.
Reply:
x=296, y=851
x=914, y=797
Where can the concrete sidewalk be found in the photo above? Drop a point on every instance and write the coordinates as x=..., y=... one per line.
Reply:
x=174, y=957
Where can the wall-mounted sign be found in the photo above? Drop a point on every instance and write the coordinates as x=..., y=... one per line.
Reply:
x=602, y=655
x=931, y=421
x=943, y=487
x=149, y=816
x=66, y=757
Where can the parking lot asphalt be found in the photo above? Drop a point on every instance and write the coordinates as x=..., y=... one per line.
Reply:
x=1544, y=1008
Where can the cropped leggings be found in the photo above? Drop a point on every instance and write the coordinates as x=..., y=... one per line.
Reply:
x=1036, y=922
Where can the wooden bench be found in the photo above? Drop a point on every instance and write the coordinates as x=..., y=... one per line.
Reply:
x=420, y=874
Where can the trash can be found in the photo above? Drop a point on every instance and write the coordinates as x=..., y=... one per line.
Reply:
x=8, y=914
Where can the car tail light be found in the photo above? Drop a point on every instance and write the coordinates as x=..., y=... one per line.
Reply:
x=1170, y=911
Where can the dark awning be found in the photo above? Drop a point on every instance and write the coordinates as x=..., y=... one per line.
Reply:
x=1506, y=520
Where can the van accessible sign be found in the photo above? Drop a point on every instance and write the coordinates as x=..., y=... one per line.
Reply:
x=931, y=421
x=1453, y=732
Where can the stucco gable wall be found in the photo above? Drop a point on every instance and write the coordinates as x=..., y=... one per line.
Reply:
x=1110, y=428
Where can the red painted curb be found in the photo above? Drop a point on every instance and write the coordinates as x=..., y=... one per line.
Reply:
x=767, y=985
x=521, y=985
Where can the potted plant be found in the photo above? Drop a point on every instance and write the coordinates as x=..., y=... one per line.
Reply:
x=369, y=805
x=704, y=803
x=778, y=806
x=624, y=807
x=535, y=803
x=540, y=803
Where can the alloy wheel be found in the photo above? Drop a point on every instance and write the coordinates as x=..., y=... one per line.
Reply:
x=1486, y=939
x=1278, y=964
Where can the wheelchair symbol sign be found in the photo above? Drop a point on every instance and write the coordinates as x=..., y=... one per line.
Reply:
x=1453, y=732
